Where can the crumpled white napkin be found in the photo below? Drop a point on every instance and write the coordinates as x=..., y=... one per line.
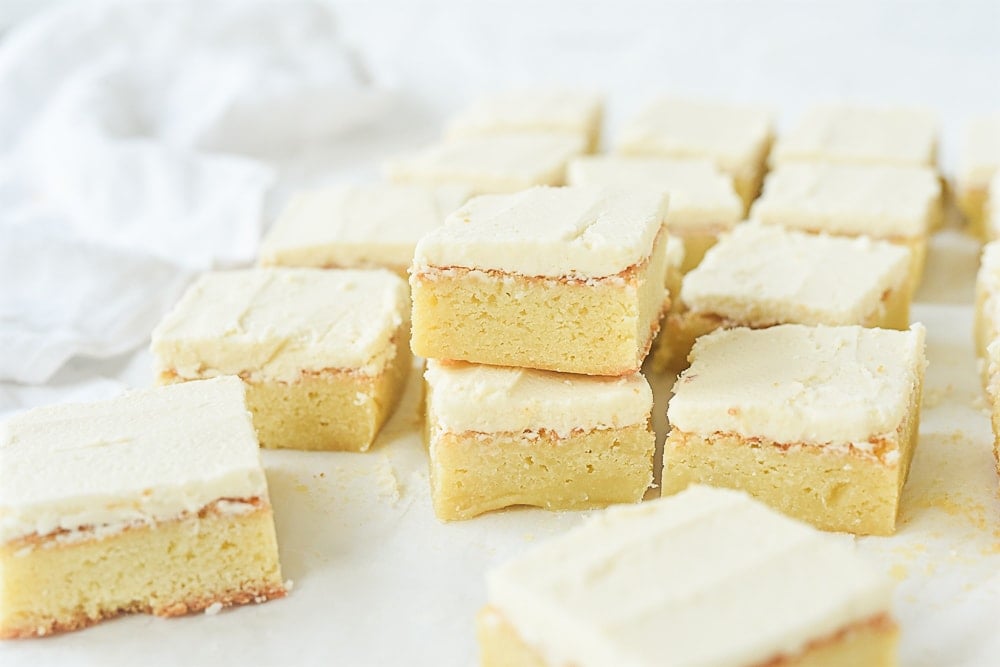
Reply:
x=138, y=144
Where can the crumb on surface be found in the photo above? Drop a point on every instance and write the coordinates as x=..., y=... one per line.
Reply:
x=388, y=485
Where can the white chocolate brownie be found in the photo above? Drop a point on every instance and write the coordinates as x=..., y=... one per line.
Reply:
x=153, y=502
x=708, y=577
x=323, y=352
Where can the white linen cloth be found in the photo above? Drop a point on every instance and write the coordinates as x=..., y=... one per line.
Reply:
x=139, y=142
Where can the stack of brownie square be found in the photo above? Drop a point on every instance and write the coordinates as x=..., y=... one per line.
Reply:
x=535, y=311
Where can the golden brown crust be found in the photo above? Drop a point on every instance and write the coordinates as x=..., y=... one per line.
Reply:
x=881, y=445
x=544, y=434
x=51, y=540
x=170, y=375
x=179, y=608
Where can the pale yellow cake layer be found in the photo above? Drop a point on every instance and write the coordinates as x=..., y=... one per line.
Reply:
x=832, y=487
x=986, y=327
x=695, y=247
x=473, y=473
x=991, y=210
x=873, y=644
x=675, y=263
x=979, y=160
x=682, y=327
x=986, y=295
x=918, y=259
x=328, y=410
x=986, y=333
x=599, y=327
x=995, y=424
x=168, y=569
x=748, y=184
x=972, y=201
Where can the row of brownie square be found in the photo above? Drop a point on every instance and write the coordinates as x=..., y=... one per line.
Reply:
x=897, y=317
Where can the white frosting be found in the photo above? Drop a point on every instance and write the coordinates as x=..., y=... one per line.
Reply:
x=580, y=232
x=861, y=135
x=675, y=252
x=734, y=137
x=877, y=200
x=761, y=275
x=492, y=163
x=702, y=198
x=530, y=110
x=707, y=577
x=980, y=151
x=273, y=324
x=358, y=225
x=798, y=384
x=489, y=399
x=149, y=455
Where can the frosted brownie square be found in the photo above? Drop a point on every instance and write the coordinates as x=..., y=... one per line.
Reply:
x=703, y=203
x=979, y=160
x=323, y=352
x=736, y=138
x=152, y=502
x=357, y=226
x=760, y=275
x=861, y=135
x=706, y=577
x=500, y=437
x=575, y=113
x=898, y=204
x=818, y=422
x=490, y=164
x=563, y=279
